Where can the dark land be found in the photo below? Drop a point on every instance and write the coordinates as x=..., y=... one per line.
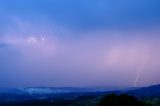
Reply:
x=41, y=96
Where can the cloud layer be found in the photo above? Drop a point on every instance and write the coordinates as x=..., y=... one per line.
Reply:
x=84, y=43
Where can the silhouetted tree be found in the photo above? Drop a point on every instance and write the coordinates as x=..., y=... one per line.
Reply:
x=121, y=100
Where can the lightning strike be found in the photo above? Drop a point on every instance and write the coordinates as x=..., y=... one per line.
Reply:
x=139, y=70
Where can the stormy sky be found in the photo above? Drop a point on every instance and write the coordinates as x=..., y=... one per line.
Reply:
x=79, y=43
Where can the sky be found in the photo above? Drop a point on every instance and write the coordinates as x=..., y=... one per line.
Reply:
x=79, y=43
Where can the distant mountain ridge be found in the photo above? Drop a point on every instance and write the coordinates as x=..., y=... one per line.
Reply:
x=151, y=91
x=56, y=90
x=38, y=93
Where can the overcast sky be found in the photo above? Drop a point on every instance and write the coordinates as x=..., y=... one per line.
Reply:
x=79, y=43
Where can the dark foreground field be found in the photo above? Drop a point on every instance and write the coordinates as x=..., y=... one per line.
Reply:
x=105, y=100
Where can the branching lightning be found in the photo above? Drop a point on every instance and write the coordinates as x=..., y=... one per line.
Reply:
x=139, y=70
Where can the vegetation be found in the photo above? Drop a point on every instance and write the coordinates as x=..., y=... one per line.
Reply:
x=152, y=101
x=107, y=100
x=121, y=100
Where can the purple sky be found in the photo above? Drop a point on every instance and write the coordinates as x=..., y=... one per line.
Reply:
x=79, y=44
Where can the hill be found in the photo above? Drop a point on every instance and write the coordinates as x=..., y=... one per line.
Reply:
x=151, y=91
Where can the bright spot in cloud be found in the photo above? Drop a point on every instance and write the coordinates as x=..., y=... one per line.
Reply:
x=32, y=40
x=42, y=38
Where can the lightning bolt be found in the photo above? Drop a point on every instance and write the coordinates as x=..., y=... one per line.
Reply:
x=139, y=70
